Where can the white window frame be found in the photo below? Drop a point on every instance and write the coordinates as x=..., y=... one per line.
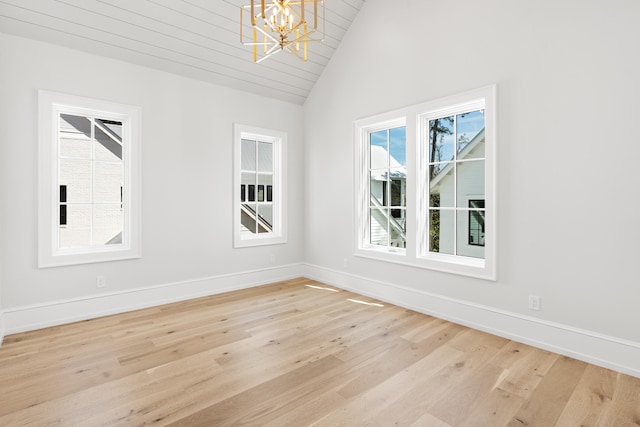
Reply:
x=417, y=167
x=50, y=106
x=278, y=139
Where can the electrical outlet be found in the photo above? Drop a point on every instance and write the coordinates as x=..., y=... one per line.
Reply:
x=534, y=302
x=101, y=281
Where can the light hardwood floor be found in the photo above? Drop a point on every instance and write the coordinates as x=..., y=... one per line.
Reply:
x=297, y=353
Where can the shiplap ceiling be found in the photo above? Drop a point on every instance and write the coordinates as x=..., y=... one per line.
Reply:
x=195, y=38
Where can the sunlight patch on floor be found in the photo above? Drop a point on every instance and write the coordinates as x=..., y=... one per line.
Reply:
x=322, y=288
x=373, y=304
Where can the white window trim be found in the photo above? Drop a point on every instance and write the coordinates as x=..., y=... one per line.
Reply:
x=416, y=254
x=278, y=140
x=50, y=105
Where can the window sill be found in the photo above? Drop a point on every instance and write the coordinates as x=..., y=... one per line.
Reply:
x=67, y=257
x=464, y=266
x=259, y=241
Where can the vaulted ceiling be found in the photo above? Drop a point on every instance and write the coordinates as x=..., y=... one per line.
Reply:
x=194, y=38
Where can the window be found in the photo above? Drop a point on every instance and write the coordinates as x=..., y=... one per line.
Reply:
x=386, y=164
x=438, y=211
x=89, y=153
x=259, y=203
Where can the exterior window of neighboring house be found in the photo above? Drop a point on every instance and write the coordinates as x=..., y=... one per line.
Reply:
x=448, y=221
x=88, y=176
x=476, y=222
x=63, y=205
x=259, y=210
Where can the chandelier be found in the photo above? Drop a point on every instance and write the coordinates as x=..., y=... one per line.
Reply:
x=278, y=25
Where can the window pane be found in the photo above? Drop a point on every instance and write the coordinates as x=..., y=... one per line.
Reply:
x=77, y=233
x=265, y=180
x=470, y=181
x=398, y=191
x=441, y=231
x=378, y=145
x=441, y=187
x=471, y=227
x=265, y=218
x=75, y=136
x=398, y=149
x=107, y=224
x=108, y=143
x=248, y=218
x=265, y=157
x=76, y=175
x=108, y=180
x=378, y=188
x=397, y=222
x=379, y=227
x=441, y=140
x=248, y=160
x=470, y=134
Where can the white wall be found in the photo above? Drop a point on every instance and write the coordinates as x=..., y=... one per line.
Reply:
x=186, y=187
x=567, y=78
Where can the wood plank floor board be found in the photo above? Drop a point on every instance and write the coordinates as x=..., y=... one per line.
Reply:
x=591, y=398
x=395, y=400
x=552, y=394
x=297, y=353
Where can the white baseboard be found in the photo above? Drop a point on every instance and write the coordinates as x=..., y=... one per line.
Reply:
x=1, y=327
x=599, y=349
x=27, y=318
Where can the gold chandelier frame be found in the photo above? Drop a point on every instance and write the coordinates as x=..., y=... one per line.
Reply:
x=282, y=25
